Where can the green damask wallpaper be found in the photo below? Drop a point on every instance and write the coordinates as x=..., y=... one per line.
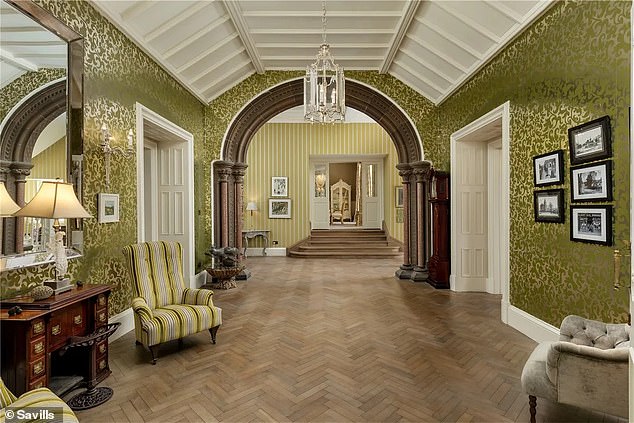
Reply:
x=572, y=66
x=17, y=89
x=117, y=75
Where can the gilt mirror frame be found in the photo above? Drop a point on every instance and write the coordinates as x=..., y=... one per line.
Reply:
x=25, y=124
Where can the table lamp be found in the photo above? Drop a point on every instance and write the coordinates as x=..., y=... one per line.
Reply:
x=7, y=208
x=56, y=200
x=252, y=206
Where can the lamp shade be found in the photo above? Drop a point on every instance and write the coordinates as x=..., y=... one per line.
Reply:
x=7, y=205
x=252, y=206
x=54, y=200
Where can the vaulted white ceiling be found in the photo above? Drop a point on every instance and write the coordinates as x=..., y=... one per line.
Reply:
x=26, y=46
x=433, y=46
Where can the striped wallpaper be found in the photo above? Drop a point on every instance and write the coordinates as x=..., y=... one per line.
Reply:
x=49, y=164
x=283, y=149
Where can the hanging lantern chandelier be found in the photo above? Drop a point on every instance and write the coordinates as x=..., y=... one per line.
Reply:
x=324, y=85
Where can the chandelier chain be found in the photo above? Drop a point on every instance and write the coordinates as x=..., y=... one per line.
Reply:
x=323, y=21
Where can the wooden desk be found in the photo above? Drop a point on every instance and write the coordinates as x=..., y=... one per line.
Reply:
x=31, y=342
x=252, y=233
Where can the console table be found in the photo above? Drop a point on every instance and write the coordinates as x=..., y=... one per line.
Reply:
x=252, y=233
x=32, y=342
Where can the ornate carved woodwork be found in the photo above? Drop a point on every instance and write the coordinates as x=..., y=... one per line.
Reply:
x=439, y=265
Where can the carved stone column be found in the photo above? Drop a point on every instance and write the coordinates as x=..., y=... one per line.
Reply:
x=224, y=171
x=422, y=173
x=405, y=271
x=238, y=178
x=20, y=173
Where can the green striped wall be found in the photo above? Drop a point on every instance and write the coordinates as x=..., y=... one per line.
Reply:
x=283, y=149
x=49, y=164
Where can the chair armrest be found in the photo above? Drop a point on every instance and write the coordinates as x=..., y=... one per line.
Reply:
x=139, y=305
x=589, y=377
x=194, y=296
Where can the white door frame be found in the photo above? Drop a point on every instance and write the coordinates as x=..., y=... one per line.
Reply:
x=631, y=290
x=503, y=112
x=145, y=114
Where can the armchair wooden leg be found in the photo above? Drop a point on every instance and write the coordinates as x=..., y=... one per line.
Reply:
x=180, y=343
x=137, y=343
x=532, y=404
x=213, y=331
x=154, y=351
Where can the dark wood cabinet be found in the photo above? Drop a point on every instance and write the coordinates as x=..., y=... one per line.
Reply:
x=31, y=342
x=438, y=265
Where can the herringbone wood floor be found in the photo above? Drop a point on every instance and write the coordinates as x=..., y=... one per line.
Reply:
x=330, y=341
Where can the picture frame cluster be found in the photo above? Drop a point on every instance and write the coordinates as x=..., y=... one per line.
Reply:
x=279, y=208
x=590, y=181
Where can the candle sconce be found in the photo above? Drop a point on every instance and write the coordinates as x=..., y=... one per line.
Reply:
x=618, y=255
x=109, y=150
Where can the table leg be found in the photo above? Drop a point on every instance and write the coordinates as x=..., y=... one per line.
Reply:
x=266, y=245
x=246, y=244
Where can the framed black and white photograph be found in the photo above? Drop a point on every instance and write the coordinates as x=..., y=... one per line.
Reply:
x=548, y=169
x=591, y=182
x=590, y=141
x=279, y=186
x=279, y=209
x=108, y=208
x=592, y=224
x=398, y=195
x=549, y=205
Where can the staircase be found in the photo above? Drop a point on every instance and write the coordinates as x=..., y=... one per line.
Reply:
x=346, y=243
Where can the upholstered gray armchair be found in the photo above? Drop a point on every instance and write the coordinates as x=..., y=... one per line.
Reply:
x=587, y=367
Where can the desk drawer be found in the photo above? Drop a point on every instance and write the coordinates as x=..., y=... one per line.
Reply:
x=37, y=347
x=38, y=327
x=37, y=368
x=57, y=331
x=102, y=348
x=101, y=316
x=77, y=317
x=38, y=383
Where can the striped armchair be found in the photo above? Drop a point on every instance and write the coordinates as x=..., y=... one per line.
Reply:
x=164, y=309
x=37, y=399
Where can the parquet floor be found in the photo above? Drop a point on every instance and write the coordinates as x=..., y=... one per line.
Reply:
x=332, y=341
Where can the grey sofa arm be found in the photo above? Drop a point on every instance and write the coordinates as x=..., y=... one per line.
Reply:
x=592, y=333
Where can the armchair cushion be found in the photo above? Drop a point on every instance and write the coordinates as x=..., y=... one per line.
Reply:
x=592, y=333
x=37, y=398
x=198, y=297
x=179, y=320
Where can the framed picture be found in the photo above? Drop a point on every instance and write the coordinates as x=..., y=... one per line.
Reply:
x=591, y=224
x=590, y=141
x=108, y=205
x=591, y=182
x=279, y=186
x=549, y=205
x=548, y=169
x=399, y=196
x=279, y=209
x=399, y=215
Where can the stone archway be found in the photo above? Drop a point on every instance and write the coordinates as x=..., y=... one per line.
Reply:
x=414, y=171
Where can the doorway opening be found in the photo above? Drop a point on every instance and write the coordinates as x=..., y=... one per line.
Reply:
x=165, y=180
x=480, y=206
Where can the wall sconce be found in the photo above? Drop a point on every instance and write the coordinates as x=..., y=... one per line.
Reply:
x=108, y=150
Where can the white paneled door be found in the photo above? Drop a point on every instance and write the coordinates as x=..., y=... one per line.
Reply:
x=372, y=184
x=471, y=196
x=320, y=194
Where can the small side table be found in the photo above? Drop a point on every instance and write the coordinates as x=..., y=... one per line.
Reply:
x=253, y=233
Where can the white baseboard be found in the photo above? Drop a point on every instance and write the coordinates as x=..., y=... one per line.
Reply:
x=468, y=284
x=273, y=252
x=531, y=326
x=504, y=314
x=126, y=318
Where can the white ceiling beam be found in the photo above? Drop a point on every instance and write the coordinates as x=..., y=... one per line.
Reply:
x=221, y=89
x=343, y=31
x=225, y=75
x=311, y=59
x=318, y=14
x=314, y=46
x=195, y=37
x=235, y=12
x=438, y=53
x=408, y=13
x=175, y=20
x=416, y=84
x=468, y=21
x=420, y=77
x=136, y=9
x=290, y=68
x=506, y=11
x=453, y=40
x=422, y=62
x=207, y=52
x=5, y=56
x=216, y=65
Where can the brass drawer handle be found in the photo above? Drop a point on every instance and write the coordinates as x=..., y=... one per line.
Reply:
x=40, y=384
x=38, y=368
x=38, y=347
x=102, y=317
x=77, y=319
x=102, y=300
x=56, y=330
x=102, y=364
x=38, y=328
x=102, y=348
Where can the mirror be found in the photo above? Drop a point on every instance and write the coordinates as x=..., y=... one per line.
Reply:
x=43, y=59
